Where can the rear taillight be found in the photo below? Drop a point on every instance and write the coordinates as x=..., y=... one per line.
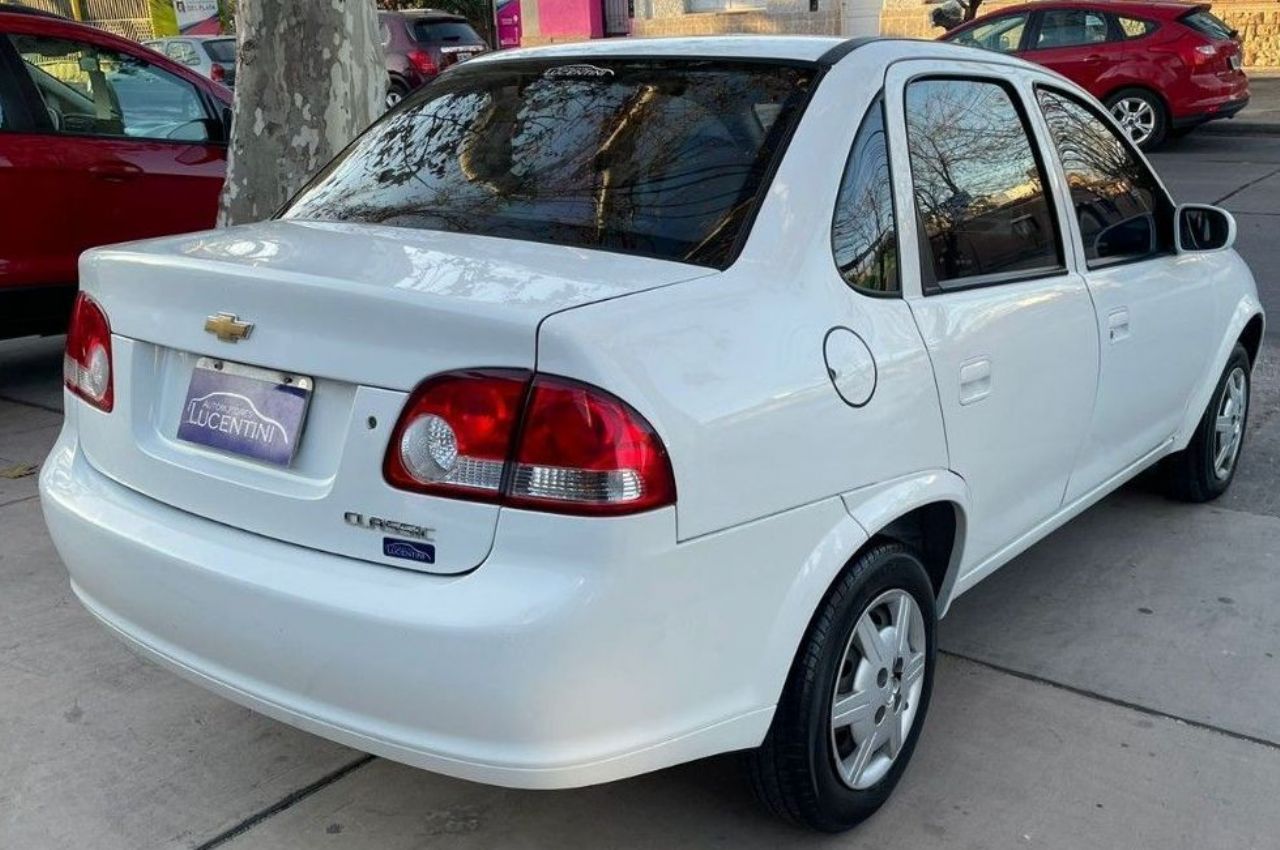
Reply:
x=1204, y=54
x=86, y=365
x=422, y=61
x=538, y=442
x=218, y=74
x=454, y=436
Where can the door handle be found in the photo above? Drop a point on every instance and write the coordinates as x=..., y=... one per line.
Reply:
x=975, y=380
x=1118, y=324
x=115, y=172
x=1093, y=58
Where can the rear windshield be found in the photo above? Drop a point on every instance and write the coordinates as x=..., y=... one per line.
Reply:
x=445, y=32
x=659, y=158
x=221, y=50
x=1208, y=24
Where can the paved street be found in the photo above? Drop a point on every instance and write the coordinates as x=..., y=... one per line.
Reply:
x=1115, y=687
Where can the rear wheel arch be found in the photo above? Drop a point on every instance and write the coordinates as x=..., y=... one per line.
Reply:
x=1251, y=338
x=936, y=531
x=1119, y=87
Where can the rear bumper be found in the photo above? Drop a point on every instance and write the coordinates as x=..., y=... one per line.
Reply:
x=1227, y=110
x=1208, y=97
x=592, y=655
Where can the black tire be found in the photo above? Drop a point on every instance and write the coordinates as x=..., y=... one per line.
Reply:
x=1152, y=100
x=397, y=90
x=1190, y=474
x=793, y=773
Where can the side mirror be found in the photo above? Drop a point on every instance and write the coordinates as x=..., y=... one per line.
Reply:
x=1201, y=227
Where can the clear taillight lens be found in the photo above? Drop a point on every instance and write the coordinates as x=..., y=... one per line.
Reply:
x=538, y=442
x=86, y=363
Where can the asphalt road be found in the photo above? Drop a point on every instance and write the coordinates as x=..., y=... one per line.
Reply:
x=1241, y=173
x=1116, y=686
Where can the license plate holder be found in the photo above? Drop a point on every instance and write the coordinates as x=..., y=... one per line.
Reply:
x=245, y=411
x=1235, y=61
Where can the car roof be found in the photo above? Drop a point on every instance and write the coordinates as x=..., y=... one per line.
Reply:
x=805, y=48
x=1164, y=9
x=422, y=15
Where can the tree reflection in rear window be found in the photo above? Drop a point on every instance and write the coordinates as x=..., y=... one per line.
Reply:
x=659, y=158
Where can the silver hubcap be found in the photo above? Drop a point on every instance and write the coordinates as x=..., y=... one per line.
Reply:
x=1136, y=117
x=1228, y=428
x=878, y=690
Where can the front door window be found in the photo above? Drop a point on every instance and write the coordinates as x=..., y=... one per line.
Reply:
x=95, y=91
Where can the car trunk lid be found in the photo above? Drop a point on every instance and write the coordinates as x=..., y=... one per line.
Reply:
x=362, y=312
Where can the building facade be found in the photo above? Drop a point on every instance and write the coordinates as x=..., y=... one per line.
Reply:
x=574, y=20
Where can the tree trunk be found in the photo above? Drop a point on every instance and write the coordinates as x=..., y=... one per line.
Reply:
x=310, y=77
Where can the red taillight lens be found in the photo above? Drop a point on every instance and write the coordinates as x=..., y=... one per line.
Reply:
x=585, y=451
x=454, y=436
x=422, y=60
x=218, y=73
x=86, y=364
x=538, y=442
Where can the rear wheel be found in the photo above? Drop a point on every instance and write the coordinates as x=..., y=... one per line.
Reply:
x=856, y=698
x=396, y=91
x=1140, y=114
x=1205, y=468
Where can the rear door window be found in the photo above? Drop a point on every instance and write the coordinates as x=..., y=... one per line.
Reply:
x=1070, y=28
x=182, y=51
x=979, y=186
x=1135, y=27
x=663, y=158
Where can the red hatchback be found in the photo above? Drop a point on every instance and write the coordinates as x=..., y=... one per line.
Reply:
x=101, y=141
x=1159, y=67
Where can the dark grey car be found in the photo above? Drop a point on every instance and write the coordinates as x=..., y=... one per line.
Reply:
x=420, y=44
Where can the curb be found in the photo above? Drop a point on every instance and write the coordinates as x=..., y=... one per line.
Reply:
x=1240, y=128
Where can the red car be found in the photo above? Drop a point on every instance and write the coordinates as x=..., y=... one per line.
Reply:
x=1159, y=67
x=101, y=141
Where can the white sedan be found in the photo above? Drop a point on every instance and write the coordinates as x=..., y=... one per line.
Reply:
x=604, y=408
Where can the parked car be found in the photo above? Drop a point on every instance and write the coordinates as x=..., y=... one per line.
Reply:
x=420, y=43
x=212, y=56
x=1159, y=67
x=101, y=141
x=595, y=411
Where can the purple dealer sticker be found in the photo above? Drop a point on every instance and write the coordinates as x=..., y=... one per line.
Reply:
x=244, y=415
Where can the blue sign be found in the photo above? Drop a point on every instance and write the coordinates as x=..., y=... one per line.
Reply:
x=423, y=553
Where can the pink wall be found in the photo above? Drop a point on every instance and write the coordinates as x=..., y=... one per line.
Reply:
x=572, y=18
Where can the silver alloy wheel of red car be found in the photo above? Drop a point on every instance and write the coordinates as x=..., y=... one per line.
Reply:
x=1136, y=117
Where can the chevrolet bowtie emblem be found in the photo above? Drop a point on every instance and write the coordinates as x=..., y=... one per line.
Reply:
x=227, y=328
